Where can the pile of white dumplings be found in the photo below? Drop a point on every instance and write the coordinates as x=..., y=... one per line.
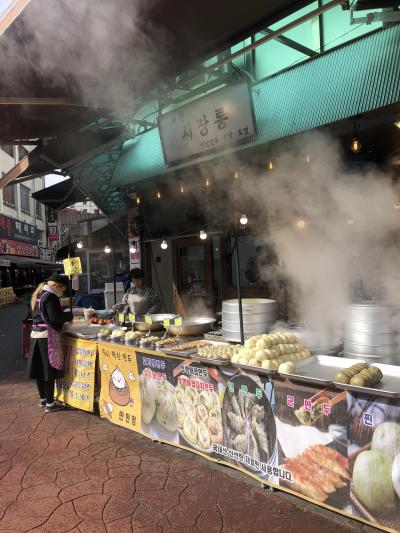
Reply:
x=271, y=350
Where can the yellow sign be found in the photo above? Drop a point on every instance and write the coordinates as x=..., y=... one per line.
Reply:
x=166, y=323
x=148, y=319
x=72, y=266
x=121, y=318
x=76, y=388
x=119, y=393
x=178, y=321
x=131, y=318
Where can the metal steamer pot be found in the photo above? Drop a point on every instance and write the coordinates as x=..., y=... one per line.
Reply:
x=383, y=351
x=369, y=312
x=157, y=322
x=193, y=326
x=259, y=315
x=370, y=339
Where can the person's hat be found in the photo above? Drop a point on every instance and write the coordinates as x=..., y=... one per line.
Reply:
x=136, y=273
x=59, y=278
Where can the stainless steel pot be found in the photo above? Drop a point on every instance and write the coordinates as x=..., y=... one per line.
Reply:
x=351, y=347
x=192, y=326
x=233, y=318
x=370, y=339
x=234, y=336
x=251, y=306
x=371, y=359
x=157, y=323
x=362, y=326
x=369, y=312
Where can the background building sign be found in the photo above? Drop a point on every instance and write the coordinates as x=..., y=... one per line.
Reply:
x=11, y=247
x=15, y=229
x=219, y=119
x=52, y=232
x=46, y=255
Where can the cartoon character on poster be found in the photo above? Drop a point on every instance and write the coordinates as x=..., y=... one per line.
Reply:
x=118, y=389
x=374, y=458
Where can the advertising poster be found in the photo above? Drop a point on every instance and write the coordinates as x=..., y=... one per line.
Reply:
x=374, y=458
x=249, y=433
x=311, y=425
x=76, y=388
x=119, y=391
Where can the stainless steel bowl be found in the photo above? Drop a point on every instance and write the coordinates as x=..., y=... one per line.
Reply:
x=157, y=323
x=192, y=326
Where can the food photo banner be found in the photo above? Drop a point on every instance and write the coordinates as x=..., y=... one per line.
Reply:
x=334, y=448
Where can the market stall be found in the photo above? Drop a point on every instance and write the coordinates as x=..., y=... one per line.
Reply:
x=309, y=425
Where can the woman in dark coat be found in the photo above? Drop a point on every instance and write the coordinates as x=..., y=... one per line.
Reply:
x=47, y=315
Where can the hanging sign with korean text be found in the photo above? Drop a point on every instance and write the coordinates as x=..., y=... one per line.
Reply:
x=72, y=266
x=222, y=118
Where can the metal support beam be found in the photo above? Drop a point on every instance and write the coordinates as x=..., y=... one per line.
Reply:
x=291, y=43
x=271, y=36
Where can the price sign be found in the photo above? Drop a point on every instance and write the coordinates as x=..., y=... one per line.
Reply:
x=72, y=266
x=178, y=321
x=121, y=318
x=148, y=319
x=132, y=318
x=166, y=323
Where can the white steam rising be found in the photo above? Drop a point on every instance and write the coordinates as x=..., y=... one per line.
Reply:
x=349, y=245
x=103, y=51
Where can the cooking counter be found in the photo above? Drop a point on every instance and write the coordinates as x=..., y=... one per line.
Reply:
x=287, y=434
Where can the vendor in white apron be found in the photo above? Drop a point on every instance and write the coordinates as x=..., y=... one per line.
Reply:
x=141, y=300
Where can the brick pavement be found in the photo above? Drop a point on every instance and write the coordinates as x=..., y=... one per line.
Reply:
x=71, y=471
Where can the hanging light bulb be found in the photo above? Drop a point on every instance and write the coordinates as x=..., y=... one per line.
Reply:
x=203, y=235
x=207, y=183
x=132, y=248
x=79, y=245
x=243, y=220
x=158, y=195
x=182, y=189
x=270, y=166
x=138, y=200
x=308, y=159
x=107, y=249
x=236, y=175
x=355, y=145
x=164, y=245
x=301, y=224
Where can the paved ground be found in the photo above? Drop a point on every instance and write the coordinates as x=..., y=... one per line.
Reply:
x=71, y=471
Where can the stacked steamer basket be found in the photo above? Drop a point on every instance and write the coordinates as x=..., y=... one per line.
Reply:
x=369, y=333
x=259, y=315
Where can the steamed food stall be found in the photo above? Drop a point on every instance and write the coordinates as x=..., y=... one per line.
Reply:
x=326, y=428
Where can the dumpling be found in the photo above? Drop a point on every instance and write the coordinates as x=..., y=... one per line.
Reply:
x=190, y=429
x=203, y=436
x=166, y=412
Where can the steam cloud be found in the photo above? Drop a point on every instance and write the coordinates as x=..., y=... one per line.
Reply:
x=348, y=249
x=104, y=52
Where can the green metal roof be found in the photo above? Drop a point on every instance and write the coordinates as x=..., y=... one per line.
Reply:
x=356, y=78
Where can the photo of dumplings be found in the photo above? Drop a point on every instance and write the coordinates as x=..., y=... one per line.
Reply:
x=248, y=420
x=199, y=416
x=158, y=402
